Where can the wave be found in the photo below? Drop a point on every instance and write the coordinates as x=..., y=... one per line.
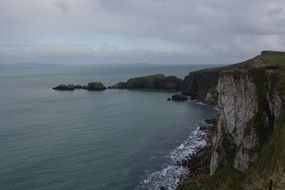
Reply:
x=171, y=174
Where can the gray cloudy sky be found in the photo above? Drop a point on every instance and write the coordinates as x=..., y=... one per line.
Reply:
x=132, y=31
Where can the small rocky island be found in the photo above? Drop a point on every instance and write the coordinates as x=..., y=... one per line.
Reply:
x=151, y=82
x=91, y=86
x=155, y=82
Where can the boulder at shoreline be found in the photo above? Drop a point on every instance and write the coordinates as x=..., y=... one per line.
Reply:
x=179, y=97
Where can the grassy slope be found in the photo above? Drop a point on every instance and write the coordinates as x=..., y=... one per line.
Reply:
x=271, y=161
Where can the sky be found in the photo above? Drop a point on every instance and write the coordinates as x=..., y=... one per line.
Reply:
x=139, y=31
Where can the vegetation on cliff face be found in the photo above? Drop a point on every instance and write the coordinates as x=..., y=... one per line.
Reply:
x=267, y=71
x=269, y=166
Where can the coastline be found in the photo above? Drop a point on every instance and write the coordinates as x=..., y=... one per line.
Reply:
x=186, y=157
x=250, y=95
x=173, y=173
x=197, y=162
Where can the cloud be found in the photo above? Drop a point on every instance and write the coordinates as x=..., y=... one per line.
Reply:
x=63, y=5
x=208, y=30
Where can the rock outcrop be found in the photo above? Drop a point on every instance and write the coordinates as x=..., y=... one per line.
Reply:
x=201, y=85
x=238, y=102
x=94, y=86
x=156, y=82
x=91, y=86
x=66, y=87
x=179, y=97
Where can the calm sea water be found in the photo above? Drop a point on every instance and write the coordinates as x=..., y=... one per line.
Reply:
x=115, y=139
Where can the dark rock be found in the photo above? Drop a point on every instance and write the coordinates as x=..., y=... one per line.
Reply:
x=199, y=163
x=95, y=86
x=162, y=188
x=172, y=83
x=179, y=97
x=71, y=87
x=199, y=83
x=156, y=82
x=148, y=82
x=168, y=99
x=77, y=86
x=65, y=87
x=203, y=128
x=178, y=163
x=184, y=162
x=85, y=87
x=211, y=121
x=120, y=85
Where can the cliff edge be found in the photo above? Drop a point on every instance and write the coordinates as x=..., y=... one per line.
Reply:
x=249, y=143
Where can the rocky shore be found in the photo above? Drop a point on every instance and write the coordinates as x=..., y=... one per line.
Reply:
x=198, y=163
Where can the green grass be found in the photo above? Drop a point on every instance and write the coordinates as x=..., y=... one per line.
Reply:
x=270, y=163
x=281, y=85
x=275, y=59
x=150, y=77
x=225, y=177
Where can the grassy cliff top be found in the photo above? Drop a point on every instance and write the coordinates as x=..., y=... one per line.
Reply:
x=148, y=77
x=272, y=62
x=267, y=58
x=199, y=83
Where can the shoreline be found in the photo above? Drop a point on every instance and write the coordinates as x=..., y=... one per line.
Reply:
x=185, y=158
x=198, y=162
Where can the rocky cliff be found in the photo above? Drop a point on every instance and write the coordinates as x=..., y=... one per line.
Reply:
x=156, y=82
x=237, y=100
x=202, y=85
x=251, y=97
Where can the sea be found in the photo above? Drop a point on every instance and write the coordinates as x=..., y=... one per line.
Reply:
x=80, y=140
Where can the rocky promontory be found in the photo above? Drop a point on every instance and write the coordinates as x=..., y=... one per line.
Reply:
x=249, y=141
x=156, y=82
x=91, y=86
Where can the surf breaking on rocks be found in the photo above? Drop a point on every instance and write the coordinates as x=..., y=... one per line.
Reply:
x=171, y=174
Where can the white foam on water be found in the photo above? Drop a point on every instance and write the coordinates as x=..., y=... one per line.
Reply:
x=171, y=174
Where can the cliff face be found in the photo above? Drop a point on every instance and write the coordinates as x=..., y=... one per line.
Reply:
x=238, y=102
x=251, y=98
x=250, y=104
x=202, y=85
